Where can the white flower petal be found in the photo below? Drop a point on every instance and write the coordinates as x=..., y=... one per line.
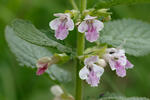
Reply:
x=122, y=60
x=98, y=24
x=70, y=24
x=83, y=74
x=88, y=17
x=91, y=60
x=112, y=64
x=98, y=70
x=83, y=27
x=60, y=15
x=54, y=23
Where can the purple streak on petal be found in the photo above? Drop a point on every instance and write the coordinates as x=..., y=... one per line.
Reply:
x=62, y=31
x=93, y=80
x=128, y=65
x=91, y=34
x=41, y=70
x=120, y=70
x=122, y=60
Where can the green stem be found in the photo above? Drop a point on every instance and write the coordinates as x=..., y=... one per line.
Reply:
x=80, y=50
x=74, y=4
x=83, y=6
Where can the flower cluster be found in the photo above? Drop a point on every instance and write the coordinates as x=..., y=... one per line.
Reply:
x=63, y=24
x=94, y=64
x=94, y=67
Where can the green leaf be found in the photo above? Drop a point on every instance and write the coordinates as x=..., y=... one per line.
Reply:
x=111, y=3
x=124, y=98
x=28, y=54
x=135, y=33
x=114, y=96
x=30, y=33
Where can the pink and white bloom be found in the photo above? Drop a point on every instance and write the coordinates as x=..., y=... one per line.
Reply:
x=62, y=25
x=91, y=72
x=117, y=61
x=42, y=65
x=91, y=27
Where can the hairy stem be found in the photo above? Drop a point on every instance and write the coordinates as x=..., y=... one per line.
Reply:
x=74, y=4
x=80, y=50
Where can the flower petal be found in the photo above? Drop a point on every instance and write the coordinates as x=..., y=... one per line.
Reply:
x=91, y=60
x=70, y=24
x=112, y=64
x=98, y=70
x=62, y=31
x=54, y=23
x=93, y=80
x=60, y=15
x=88, y=17
x=120, y=70
x=41, y=70
x=92, y=36
x=83, y=74
x=98, y=24
x=129, y=65
x=122, y=60
x=83, y=27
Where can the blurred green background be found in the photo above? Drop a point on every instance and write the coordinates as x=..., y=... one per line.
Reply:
x=21, y=83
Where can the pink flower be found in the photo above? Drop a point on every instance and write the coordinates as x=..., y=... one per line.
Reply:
x=118, y=61
x=91, y=72
x=42, y=65
x=62, y=25
x=91, y=27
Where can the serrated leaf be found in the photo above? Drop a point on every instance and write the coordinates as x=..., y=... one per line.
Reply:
x=135, y=33
x=30, y=33
x=111, y=3
x=28, y=54
x=114, y=96
x=124, y=98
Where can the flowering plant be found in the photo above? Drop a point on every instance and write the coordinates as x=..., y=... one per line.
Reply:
x=90, y=26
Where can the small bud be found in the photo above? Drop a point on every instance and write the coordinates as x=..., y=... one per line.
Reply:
x=61, y=58
x=102, y=62
x=44, y=62
x=56, y=90
x=42, y=65
x=103, y=10
x=108, y=18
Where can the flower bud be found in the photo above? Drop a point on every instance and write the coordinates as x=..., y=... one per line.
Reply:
x=102, y=62
x=56, y=90
x=61, y=58
x=42, y=65
x=44, y=62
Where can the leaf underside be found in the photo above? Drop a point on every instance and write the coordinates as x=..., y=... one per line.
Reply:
x=30, y=33
x=111, y=3
x=136, y=35
x=27, y=54
x=124, y=98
